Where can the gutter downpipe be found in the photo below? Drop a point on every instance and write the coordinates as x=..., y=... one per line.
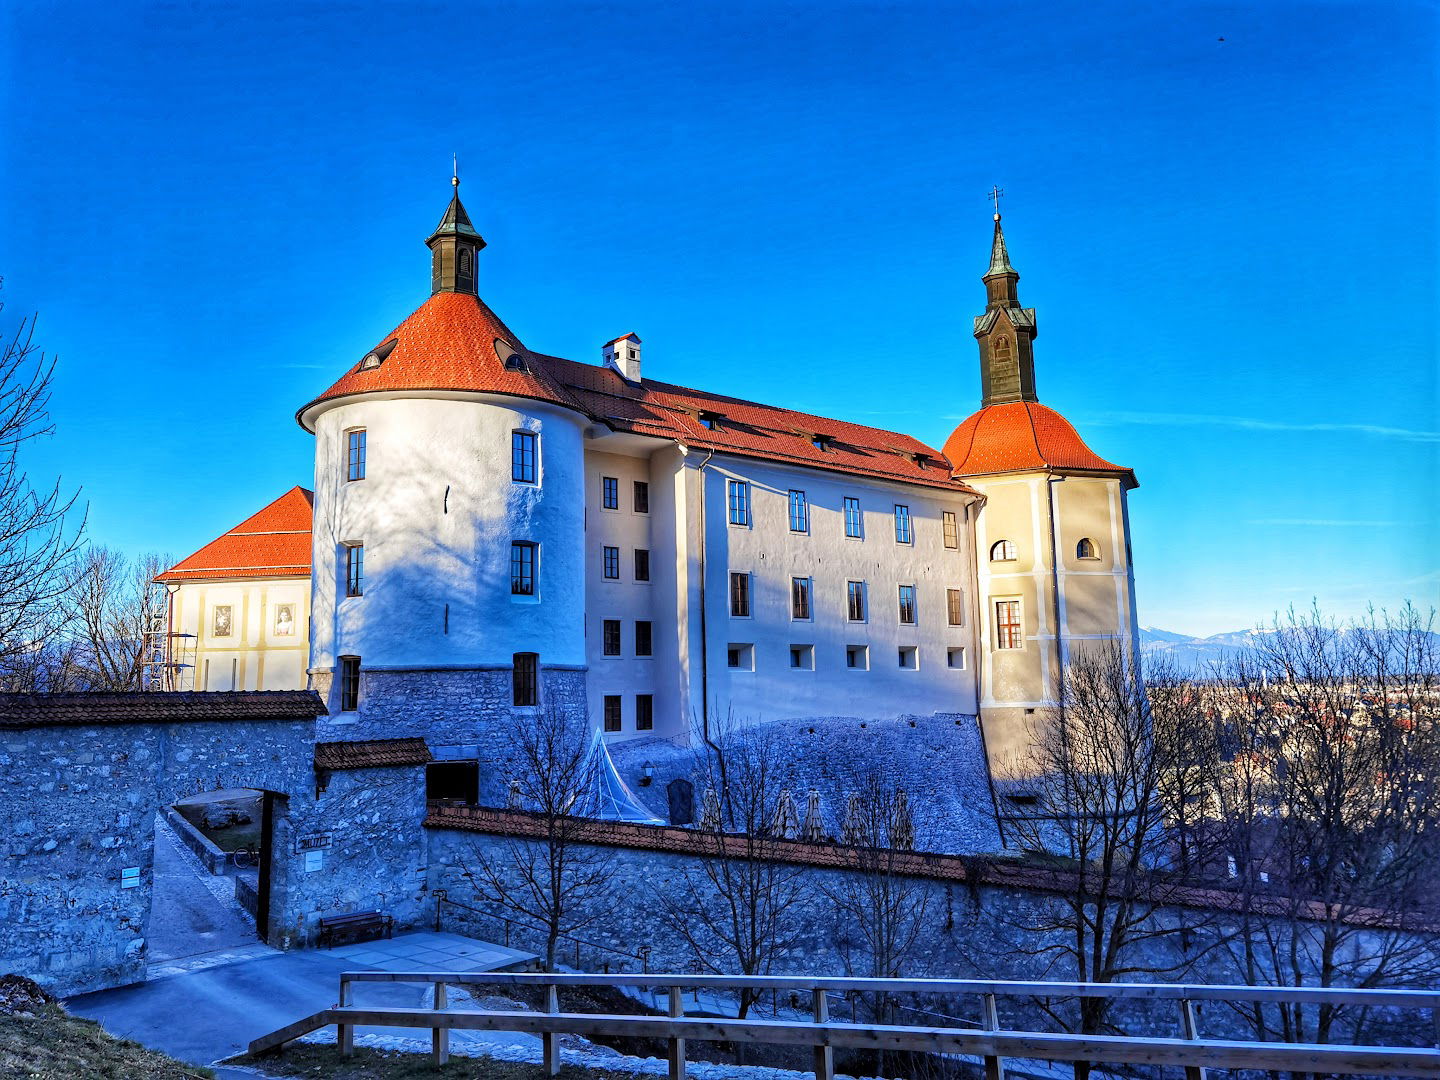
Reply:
x=704, y=614
x=1050, y=481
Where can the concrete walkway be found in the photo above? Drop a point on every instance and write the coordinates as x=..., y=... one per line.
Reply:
x=213, y=1012
x=191, y=910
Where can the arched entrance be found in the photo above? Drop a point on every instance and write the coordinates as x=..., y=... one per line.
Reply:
x=215, y=871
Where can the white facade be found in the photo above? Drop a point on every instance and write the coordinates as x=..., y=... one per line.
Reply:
x=242, y=634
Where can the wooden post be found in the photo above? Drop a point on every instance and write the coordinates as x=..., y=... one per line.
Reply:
x=824, y=1052
x=440, y=1037
x=1189, y=1029
x=677, y=1046
x=550, y=1040
x=345, y=1033
x=994, y=1064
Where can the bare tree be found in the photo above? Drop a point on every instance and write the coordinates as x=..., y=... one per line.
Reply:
x=736, y=907
x=37, y=537
x=557, y=882
x=1099, y=772
x=111, y=605
x=1328, y=805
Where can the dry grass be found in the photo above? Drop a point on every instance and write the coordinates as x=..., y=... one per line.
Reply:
x=325, y=1063
x=53, y=1045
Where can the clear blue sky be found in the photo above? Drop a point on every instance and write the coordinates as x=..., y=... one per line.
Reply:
x=216, y=208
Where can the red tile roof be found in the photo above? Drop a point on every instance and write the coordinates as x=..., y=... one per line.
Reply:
x=1020, y=436
x=371, y=753
x=47, y=710
x=272, y=543
x=449, y=343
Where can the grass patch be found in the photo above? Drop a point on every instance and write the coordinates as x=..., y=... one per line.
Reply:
x=53, y=1045
x=324, y=1062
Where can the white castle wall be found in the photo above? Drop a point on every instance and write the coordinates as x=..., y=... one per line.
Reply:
x=437, y=512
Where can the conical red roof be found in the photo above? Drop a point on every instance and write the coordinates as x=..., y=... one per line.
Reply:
x=272, y=543
x=449, y=343
x=1022, y=435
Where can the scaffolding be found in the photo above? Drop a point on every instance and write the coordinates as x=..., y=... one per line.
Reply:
x=168, y=657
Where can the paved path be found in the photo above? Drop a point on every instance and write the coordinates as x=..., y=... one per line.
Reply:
x=212, y=1012
x=191, y=911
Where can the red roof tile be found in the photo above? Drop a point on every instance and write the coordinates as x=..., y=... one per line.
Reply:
x=449, y=344
x=1022, y=435
x=272, y=543
x=371, y=753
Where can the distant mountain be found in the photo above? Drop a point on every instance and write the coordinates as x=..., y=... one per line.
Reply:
x=1193, y=653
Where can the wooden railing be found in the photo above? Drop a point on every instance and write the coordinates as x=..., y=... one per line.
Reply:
x=993, y=1043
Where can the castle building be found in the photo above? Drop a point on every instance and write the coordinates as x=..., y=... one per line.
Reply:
x=499, y=529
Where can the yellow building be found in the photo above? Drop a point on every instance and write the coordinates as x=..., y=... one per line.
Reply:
x=1053, y=538
x=238, y=612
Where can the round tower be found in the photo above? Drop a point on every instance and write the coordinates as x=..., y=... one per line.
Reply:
x=449, y=521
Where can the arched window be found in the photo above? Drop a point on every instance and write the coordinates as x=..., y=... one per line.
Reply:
x=465, y=261
x=1002, y=551
x=1001, y=349
x=1087, y=549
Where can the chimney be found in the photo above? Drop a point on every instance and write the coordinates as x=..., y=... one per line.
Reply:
x=623, y=354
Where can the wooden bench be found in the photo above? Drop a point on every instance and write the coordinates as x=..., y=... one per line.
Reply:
x=354, y=926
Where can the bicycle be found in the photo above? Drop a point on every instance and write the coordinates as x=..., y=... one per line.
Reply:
x=248, y=855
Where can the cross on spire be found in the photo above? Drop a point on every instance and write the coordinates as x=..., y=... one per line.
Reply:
x=995, y=195
x=455, y=172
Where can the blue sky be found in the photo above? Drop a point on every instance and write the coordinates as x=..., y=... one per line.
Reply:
x=216, y=209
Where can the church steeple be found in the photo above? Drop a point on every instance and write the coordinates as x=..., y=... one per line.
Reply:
x=454, y=246
x=1006, y=332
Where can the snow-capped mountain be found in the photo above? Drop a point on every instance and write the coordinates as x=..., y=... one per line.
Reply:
x=1192, y=653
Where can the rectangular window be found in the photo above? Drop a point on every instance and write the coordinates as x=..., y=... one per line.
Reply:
x=610, y=493
x=355, y=454
x=644, y=637
x=909, y=657
x=354, y=569
x=857, y=657
x=952, y=530
x=907, y=604
x=955, y=657
x=740, y=595
x=800, y=598
x=349, y=683
x=610, y=637
x=1008, y=632
x=855, y=600
x=802, y=657
x=642, y=564
x=955, y=606
x=854, y=526
x=902, y=525
x=522, y=568
x=739, y=502
x=642, y=497
x=612, y=712
x=612, y=563
x=740, y=657
x=644, y=712
x=799, y=512
x=522, y=456
x=525, y=680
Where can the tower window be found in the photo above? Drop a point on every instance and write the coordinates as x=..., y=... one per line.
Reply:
x=800, y=598
x=349, y=683
x=952, y=529
x=738, y=497
x=799, y=512
x=903, y=532
x=1001, y=350
x=955, y=606
x=525, y=680
x=854, y=524
x=522, y=568
x=1002, y=551
x=610, y=493
x=740, y=595
x=354, y=569
x=1009, y=634
x=907, y=604
x=355, y=454
x=644, y=707
x=855, y=600
x=522, y=457
x=612, y=712
x=1087, y=549
x=610, y=637
x=612, y=563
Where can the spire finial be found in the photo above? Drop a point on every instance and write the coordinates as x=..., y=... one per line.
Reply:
x=455, y=172
x=995, y=195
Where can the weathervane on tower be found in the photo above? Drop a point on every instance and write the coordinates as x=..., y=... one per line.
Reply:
x=995, y=196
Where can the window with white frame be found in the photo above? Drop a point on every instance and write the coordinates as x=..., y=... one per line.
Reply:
x=1002, y=551
x=855, y=601
x=800, y=598
x=740, y=595
x=799, y=512
x=951, y=528
x=738, y=501
x=907, y=604
x=955, y=607
x=522, y=568
x=1009, y=633
x=354, y=569
x=355, y=454
x=903, y=534
x=523, y=457
x=611, y=558
x=854, y=524
x=610, y=492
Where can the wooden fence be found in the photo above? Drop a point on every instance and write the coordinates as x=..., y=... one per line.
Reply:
x=1190, y=1049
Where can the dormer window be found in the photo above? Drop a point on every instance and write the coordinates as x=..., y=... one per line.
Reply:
x=512, y=358
x=921, y=460
x=710, y=421
x=823, y=443
x=623, y=355
x=376, y=357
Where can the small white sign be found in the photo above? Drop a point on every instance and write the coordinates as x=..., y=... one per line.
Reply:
x=314, y=860
x=130, y=877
